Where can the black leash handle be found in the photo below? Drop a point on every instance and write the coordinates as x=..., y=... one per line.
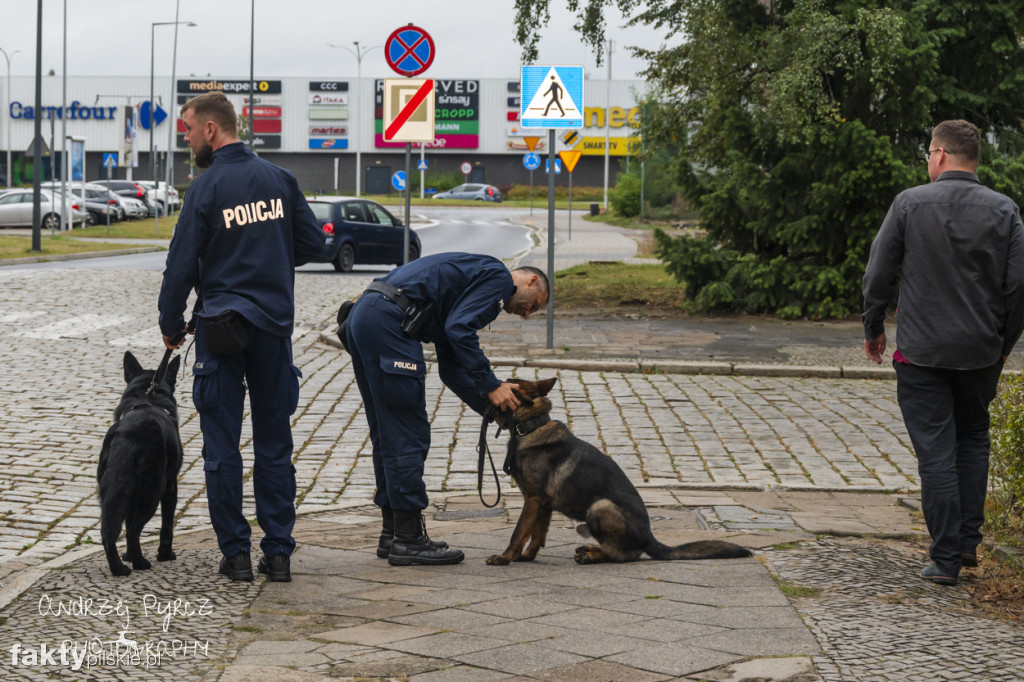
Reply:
x=482, y=449
x=161, y=371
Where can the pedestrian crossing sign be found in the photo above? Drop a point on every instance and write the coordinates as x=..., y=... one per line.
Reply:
x=552, y=97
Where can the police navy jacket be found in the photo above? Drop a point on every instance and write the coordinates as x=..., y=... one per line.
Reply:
x=243, y=228
x=468, y=291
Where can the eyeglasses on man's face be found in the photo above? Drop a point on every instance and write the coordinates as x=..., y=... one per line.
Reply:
x=928, y=154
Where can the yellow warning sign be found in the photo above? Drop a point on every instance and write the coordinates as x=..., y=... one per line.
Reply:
x=569, y=158
x=531, y=142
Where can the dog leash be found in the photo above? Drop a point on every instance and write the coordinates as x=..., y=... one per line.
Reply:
x=161, y=371
x=482, y=449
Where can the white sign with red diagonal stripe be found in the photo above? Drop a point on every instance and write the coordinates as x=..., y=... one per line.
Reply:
x=408, y=110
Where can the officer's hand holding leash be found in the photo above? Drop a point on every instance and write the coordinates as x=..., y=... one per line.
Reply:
x=503, y=397
x=176, y=342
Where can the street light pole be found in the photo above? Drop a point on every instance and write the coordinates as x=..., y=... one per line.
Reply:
x=359, y=54
x=7, y=114
x=152, y=106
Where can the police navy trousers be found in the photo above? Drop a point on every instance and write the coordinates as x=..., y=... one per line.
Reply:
x=218, y=390
x=947, y=418
x=390, y=372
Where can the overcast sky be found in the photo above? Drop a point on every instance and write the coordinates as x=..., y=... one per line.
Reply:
x=473, y=38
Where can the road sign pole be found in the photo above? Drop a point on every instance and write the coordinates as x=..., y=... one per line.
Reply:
x=531, y=191
x=551, y=238
x=570, y=205
x=408, y=198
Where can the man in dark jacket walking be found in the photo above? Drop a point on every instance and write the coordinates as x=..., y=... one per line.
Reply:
x=958, y=248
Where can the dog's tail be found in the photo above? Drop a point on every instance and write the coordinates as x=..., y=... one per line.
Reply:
x=702, y=549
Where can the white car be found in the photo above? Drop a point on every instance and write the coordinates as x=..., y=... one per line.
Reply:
x=16, y=209
x=134, y=208
x=165, y=196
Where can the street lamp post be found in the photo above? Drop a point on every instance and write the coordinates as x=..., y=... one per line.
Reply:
x=152, y=154
x=7, y=114
x=359, y=54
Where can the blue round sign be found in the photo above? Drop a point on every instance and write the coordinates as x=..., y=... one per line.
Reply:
x=409, y=50
x=398, y=180
x=531, y=161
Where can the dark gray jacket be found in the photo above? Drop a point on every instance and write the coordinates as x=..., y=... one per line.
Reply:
x=958, y=250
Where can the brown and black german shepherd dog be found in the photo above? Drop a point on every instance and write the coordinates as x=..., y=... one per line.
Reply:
x=139, y=466
x=559, y=472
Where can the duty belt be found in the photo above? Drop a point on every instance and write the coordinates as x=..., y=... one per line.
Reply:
x=392, y=293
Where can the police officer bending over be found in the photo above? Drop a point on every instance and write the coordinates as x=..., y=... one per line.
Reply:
x=242, y=230
x=444, y=299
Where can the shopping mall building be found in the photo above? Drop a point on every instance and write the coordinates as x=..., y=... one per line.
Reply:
x=322, y=129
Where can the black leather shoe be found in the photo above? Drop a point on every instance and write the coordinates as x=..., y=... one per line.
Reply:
x=422, y=551
x=932, y=573
x=412, y=545
x=237, y=568
x=277, y=568
x=387, y=536
x=969, y=560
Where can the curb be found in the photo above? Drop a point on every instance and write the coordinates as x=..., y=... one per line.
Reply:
x=647, y=366
x=79, y=256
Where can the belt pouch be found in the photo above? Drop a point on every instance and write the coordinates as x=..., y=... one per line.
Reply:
x=225, y=333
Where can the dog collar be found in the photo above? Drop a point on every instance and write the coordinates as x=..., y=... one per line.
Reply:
x=531, y=425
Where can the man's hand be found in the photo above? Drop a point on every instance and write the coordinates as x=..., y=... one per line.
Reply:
x=503, y=397
x=875, y=348
x=174, y=343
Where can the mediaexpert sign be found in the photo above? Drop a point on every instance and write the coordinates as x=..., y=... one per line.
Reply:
x=456, y=115
x=198, y=87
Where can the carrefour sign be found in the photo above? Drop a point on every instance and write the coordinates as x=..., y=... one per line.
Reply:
x=75, y=112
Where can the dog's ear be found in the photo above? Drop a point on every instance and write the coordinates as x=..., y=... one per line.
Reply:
x=523, y=399
x=172, y=371
x=513, y=381
x=544, y=387
x=132, y=368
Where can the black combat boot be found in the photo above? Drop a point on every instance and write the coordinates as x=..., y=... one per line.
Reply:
x=412, y=546
x=387, y=533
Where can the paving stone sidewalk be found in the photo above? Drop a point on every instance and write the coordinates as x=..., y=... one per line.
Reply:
x=862, y=615
x=764, y=459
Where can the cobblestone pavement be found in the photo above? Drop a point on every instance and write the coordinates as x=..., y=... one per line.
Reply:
x=66, y=332
x=876, y=620
x=60, y=371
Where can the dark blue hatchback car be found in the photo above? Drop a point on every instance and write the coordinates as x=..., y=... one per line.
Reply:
x=360, y=232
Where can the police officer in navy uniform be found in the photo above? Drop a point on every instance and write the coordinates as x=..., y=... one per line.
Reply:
x=444, y=299
x=242, y=230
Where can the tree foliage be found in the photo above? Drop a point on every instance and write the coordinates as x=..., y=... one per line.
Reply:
x=794, y=123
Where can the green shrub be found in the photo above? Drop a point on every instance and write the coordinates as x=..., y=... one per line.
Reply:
x=1004, y=509
x=580, y=194
x=625, y=198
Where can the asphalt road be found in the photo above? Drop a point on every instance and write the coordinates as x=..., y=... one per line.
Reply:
x=444, y=228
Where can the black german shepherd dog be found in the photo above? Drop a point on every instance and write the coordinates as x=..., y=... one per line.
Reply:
x=139, y=466
x=559, y=472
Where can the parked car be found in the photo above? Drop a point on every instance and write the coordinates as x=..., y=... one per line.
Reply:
x=128, y=188
x=360, y=232
x=99, y=201
x=472, y=190
x=134, y=208
x=165, y=196
x=16, y=209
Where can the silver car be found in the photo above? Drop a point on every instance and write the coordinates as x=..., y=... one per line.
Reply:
x=16, y=209
x=472, y=190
